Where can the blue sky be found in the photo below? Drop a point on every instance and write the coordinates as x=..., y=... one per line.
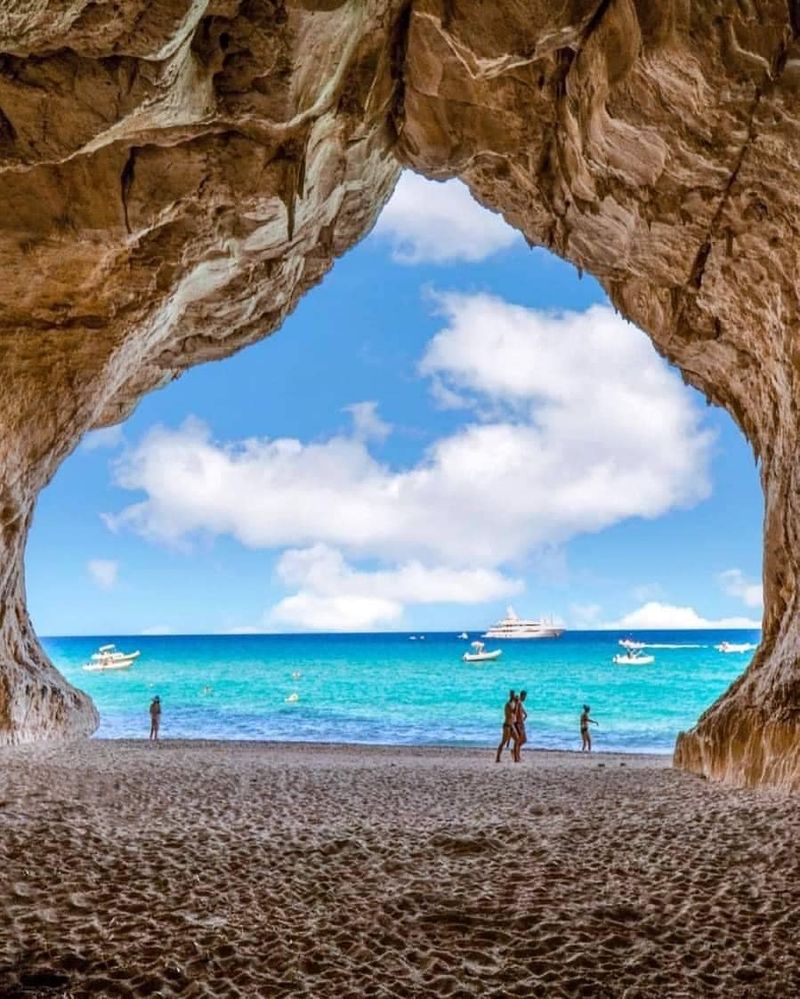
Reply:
x=450, y=423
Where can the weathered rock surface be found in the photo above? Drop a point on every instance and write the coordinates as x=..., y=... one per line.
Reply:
x=174, y=176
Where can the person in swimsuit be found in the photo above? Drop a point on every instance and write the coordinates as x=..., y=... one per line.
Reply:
x=509, y=724
x=586, y=739
x=155, y=718
x=519, y=723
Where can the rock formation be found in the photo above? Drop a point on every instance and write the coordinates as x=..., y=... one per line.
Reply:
x=173, y=176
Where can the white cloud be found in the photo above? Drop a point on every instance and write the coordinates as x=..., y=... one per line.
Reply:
x=655, y=616
x=735, y=584
x=601, y=431
x=647, y=591
x=343, y=613
x=433, y=222
x=103, y=571
x=585, y=615
x=572, y=424
x=107, y=437
x=157, y=629
x=333, y=596
x=367, y=424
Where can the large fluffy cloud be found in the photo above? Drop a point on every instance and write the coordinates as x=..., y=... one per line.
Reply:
x=430, y=222
x=573, y=424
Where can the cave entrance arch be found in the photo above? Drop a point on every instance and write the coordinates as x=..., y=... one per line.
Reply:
x=172, y=179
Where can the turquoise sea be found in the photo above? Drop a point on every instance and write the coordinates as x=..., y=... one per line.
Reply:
x=387, y=688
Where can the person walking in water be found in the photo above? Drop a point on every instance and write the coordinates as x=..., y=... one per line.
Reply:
x=155, y=718
x=509, y=724
x=586, y=721
x=519, y=724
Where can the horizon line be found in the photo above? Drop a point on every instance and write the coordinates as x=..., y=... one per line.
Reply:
x=407, y=632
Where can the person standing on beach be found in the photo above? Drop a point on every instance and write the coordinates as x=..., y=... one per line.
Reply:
x=509, y=724
x=586, y=738
x=520, y=737
x=155, y=718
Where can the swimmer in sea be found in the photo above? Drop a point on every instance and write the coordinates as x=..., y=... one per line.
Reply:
x=509, y=726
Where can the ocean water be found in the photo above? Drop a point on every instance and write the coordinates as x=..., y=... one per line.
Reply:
x=386, y=688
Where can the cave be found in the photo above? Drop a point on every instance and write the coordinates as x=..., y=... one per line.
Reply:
x=174, y=177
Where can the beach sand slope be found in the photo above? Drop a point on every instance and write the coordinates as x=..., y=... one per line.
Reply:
x=240, y=869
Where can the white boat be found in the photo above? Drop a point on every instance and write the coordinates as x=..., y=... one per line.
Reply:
x=479, y=655
x=733, y=647
x=513, y=626
x=629, y=643
x=464, y=636
x=107, y=658
x=633, y=657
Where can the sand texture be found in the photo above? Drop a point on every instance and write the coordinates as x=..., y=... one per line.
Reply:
x=206, y=869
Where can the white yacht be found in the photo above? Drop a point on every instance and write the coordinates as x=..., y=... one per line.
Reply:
x=513, y=626
x=107, y=657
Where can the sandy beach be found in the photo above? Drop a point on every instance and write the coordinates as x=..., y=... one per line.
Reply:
x=242, y=869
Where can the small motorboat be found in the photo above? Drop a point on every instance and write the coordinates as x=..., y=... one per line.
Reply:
x=734, y=647
x=107, y=658
x=629, y=643
x=463, y=636
x=633, y=657
x=480, y=655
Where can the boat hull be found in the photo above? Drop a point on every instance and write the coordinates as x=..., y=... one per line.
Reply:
x=508, y=636
x=110, y=663
x=481, y=657
x=634, y=660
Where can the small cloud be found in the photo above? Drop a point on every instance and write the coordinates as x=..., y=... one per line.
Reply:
x=585, y=615
x=647, y=591
x=107, y=438
x=655, y=616
x=157, y=629
x=367, y=424
x=735, y=584
x=428, y=221
x=104, y=572
x=348, y=612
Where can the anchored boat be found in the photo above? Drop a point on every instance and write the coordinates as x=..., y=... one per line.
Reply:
x=107, y=658
x=633, y=657
x=479, y=654
x=513, y=626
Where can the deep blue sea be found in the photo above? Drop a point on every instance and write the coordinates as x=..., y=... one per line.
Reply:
x=386, y=688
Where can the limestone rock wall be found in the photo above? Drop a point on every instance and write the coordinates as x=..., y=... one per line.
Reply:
x=174, y=175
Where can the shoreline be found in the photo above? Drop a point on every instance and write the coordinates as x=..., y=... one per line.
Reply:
x=304, y=744
x=245, y=869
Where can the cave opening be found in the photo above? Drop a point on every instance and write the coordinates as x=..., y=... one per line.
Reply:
x=442, y=356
